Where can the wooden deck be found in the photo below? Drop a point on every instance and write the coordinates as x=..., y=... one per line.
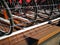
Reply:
x=32, y=37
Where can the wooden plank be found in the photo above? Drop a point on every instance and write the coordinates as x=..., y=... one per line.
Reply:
x=4, y=42
x=48, y=36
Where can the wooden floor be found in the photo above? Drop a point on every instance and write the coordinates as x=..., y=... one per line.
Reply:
x=32, y=37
